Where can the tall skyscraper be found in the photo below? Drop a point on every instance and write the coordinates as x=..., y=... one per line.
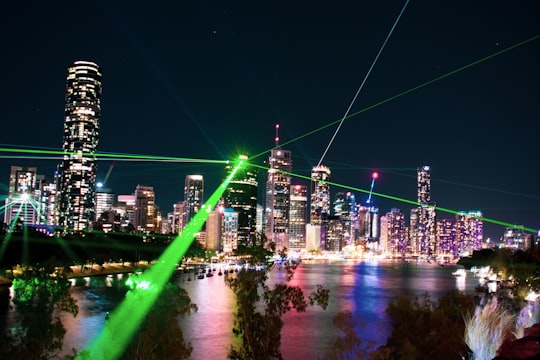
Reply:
x=320, y=194
x=193, y=195
x=278, y=195
x=298, y=217
x=423, y=218
x=77, y=172
x=241, y=196
x=320, y=201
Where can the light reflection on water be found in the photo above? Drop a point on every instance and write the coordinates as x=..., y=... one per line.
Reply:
x=364, y=288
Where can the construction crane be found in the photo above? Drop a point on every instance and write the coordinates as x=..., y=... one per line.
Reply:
x=374, y=176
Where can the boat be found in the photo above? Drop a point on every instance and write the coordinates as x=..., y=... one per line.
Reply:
x=460, y=273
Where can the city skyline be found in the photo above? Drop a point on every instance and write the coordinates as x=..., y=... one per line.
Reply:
x=208, y=83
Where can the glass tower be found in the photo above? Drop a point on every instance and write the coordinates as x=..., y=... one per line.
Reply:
x=77, y=172
x=193, y=195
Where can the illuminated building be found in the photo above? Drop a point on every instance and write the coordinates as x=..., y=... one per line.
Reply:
x=446, y=237
x=21, y=205
x=396, y=233
x=77, y=172
x=423, y=218
x=241, y=196
x=229, y=232
x=298, y=217
x=344, y=206
x=334, y=233
x=320, y=200
x=516, y=238
x=193, y=195
x=278, y=196
x=469, y=232
x=144, y=210
x=105, y=200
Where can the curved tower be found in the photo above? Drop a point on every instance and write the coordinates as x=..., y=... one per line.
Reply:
x=77, y=172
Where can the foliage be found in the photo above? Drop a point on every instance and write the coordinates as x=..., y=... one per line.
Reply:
x=258, y=320
x=160, y=336
x=40, y=294
x=347, y=345
x=427, y=329
x=487, y=329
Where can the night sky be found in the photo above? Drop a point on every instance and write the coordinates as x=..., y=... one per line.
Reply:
x=210, y=79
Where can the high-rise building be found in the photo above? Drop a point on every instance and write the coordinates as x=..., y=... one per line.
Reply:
x=320, y=205
x=344, y=207
x=77, y=172
x=193, y=195
x=21, y=206
x=298, y=217
x=278, y=196
x=320, y=194
x=423, y=184
x=423, y=218
x=144, y=210
x=469, y=231
x=446, y=237
x=396, y=233
x=241, y=196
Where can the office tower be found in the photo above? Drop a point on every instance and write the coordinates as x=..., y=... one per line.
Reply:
x=446, y=237
x=396, y=233
x=193, y=195
x=344, y=207
x=469, y=231
x=320, y=194
x=179, y=217
x=105, y=201
x=144, y=220
x=229, y=232
x=77, y=172
x=423, y=175
x=298, y=217
x=423, y=218
x=334, y=234
x=21, y=206
x=278, y=195
x=320, y=200
x=241, y=196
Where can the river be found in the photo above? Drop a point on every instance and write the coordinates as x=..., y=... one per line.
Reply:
x=362, y=287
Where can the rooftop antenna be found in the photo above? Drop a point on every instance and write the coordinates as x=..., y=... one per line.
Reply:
x=276, y=139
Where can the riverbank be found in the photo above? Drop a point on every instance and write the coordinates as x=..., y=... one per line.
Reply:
x=79, y=271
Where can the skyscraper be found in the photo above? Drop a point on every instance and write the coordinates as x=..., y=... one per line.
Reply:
x=278, y=196
x=423, y=218
x=144, y=209
x=77, y=172
x=241, y=196
x=320, y=194
x=298, y=217
x=320, y=202
x=193, y=195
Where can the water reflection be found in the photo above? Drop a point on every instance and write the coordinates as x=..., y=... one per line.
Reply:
x=363, y=288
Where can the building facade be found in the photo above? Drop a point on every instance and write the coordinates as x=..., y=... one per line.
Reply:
x=278, y=197
x=77, y=172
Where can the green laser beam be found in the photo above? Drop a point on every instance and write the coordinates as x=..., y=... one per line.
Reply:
x=110, y=155
x=129, y=315
x=439, y=78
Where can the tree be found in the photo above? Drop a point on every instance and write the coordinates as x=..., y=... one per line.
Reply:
x=259, y=308
x=160, y=336
x=40, y=294
x=427, y=329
